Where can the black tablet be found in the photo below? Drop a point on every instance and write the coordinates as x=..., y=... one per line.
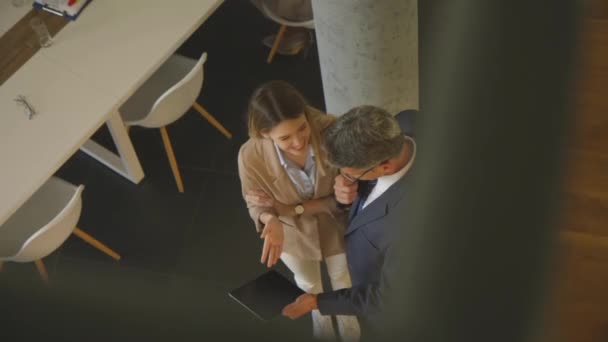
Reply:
x=266, y=295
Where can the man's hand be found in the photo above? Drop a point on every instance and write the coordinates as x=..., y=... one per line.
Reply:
x=345, y=190
x=273, y=241
x=302, y=305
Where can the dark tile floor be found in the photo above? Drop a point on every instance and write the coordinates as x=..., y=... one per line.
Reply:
x=181, y=252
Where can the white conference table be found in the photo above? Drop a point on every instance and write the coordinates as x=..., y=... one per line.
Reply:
x=78, y=83
x=10, y=15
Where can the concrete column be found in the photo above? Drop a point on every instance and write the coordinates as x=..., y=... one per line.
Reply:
x=368, y=51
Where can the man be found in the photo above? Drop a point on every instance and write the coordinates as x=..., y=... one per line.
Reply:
x=374, y=151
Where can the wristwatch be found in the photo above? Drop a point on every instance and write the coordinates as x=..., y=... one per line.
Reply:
x=299, y=209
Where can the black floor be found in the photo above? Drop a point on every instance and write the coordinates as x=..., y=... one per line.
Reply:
x=181, y=253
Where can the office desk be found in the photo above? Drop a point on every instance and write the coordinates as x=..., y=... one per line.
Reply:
x=10, y=15
x=78, y=83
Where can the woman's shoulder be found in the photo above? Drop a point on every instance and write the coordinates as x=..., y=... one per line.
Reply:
x=253, y=150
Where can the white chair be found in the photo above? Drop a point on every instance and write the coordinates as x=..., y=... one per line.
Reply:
x=310, y=24
x=165, y=97
x=43, y=224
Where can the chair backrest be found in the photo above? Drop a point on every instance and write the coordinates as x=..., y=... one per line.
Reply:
x=178, y=99
x=310, y=24
x=48, y=219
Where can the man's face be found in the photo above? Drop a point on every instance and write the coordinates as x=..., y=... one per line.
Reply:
x=353, y=175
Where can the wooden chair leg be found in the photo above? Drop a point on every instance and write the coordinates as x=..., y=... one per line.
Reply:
x=212, y=120
x=1, y=264
x=172, y=161
x=95, y=243
x=42, y=271
x=275, y=45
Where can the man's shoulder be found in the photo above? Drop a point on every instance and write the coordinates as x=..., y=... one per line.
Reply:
x=407, y=121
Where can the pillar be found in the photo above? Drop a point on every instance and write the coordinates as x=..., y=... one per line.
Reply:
x=368, y=51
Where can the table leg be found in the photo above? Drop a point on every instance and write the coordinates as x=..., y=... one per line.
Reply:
x=126, y=162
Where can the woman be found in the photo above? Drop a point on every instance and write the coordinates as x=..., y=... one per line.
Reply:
x=288, y=188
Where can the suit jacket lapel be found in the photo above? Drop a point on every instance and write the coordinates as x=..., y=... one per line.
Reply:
x=374, y=211
x=378, y=208
x=353, y=209
x=357, y=201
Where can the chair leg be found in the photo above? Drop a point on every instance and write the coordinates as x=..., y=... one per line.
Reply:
x=172, y=161
x=212, y=120
x=42, y=271
x=275, y=45
x=95, y=243
x=1, y=264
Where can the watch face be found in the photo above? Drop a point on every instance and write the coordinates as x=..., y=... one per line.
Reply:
x=299, y=209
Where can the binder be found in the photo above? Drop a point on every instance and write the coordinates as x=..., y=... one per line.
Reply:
x=267, y=295
x=69, y=12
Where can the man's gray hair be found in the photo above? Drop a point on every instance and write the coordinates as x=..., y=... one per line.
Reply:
x=362, y=138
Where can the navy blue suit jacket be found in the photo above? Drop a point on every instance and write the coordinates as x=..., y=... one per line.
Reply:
x=368, y=240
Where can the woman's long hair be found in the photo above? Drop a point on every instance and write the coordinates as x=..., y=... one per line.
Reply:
x=274, y=102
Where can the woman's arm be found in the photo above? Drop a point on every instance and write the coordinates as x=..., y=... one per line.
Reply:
x=250, y=183
x=265, y=218
x=325, y=205
x=260, y=198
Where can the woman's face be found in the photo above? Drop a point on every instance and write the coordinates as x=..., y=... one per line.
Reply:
x=292, y=136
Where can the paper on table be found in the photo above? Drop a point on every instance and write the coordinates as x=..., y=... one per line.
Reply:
x=64, y=6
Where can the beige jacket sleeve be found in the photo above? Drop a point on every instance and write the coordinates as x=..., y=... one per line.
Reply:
x=251, y=180
x=252, y=177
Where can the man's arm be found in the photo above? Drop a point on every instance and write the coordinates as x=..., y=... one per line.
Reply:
x=362, y=300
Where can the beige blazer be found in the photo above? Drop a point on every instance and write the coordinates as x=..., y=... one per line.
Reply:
x=312, y=237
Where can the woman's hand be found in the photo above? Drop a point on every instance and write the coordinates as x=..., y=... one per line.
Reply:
x=259, y=198
x=273, y=241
